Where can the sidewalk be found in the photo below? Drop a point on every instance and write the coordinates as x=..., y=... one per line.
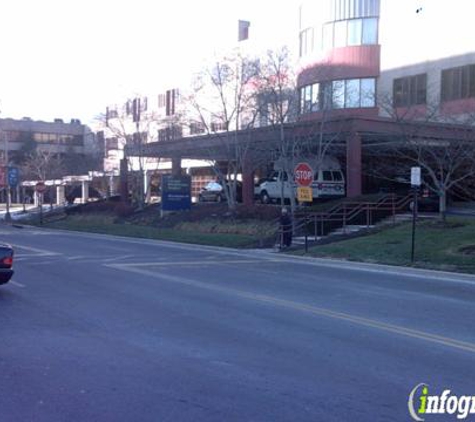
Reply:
x=17, y=213
x=468, y=209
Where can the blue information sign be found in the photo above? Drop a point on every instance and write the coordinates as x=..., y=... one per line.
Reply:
x=13, y=176
x=176, y=193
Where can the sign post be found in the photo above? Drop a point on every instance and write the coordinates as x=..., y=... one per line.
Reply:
x=40, y=189
x=415, y=185
x=303, y=175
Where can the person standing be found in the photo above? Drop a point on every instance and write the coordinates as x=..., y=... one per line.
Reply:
x=286, y=228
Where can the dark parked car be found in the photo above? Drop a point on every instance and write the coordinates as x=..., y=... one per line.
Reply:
x=426, y=202
x=214, y=192
x=6, y=263
x=76, y=193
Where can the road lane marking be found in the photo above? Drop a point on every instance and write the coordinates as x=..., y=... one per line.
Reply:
x=15, y=283
x=302, y=307
x=192, y=263
x=340, y=264
x=38, y=252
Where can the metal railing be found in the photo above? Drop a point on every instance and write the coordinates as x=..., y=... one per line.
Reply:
x=347, y=213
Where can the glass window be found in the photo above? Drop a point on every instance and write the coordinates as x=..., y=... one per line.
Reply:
x=352, y=93
x=328, y=36
x=285, y=177
x=340, y=35
x=327, y=176
x=465, y=81
x=458, y=82
x=472, y=82
x=421, y=84
x=326, y=95
x=398, y=92
x=315, y=97
x=308, y=99
x=368, y=92
x=337, y=176
x=338, y=94
x=370, y=31
x=355, y=27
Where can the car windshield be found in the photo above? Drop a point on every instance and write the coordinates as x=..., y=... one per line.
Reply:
x=213, y=186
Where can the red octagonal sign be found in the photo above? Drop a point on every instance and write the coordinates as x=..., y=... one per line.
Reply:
x=303, y=174
x=40, y=187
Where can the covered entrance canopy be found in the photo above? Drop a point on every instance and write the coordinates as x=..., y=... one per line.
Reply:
x=345, y=136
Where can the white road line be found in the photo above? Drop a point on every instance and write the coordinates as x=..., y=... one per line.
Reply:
x=38, y=252
x=15, y=283
x=191, y=263
x=432, y=275
x=118, y=258
x=309, y=309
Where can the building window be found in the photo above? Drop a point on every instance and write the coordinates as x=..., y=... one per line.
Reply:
x=353, y=94
x=370, y=31
x=306, y=42
x=368, y=92
x=458, y=83
x=50, y=138
x=340, y=34
x=111, y=113
x=328, y=36
x=410, y=91
x=355, y=30
x=162, y=101
x=172, y=99
x=350, y=33
x=349, y=93
x=196, y=128
x=218, y=126
x=310, y=98
x=338, y=94
x=170, y=133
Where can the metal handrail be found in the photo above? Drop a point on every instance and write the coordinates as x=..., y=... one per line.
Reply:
x=346, y=212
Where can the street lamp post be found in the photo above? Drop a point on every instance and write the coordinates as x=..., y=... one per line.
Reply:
x=7, y=180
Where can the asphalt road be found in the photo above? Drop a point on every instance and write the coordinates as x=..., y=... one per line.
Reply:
x=97, y=328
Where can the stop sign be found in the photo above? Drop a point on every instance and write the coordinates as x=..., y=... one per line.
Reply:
x=303, y=174
x=40, y=187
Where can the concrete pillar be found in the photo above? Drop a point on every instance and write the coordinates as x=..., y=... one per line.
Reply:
x=124, y=185
x=60, y=197
x=147, y=187
x=85, y=191
x=247, y=184
x=36, y=197
x=111, y=189
x=353, y=165
x=176, y=166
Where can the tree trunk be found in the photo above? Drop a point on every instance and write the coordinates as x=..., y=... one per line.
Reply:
x=443, y=205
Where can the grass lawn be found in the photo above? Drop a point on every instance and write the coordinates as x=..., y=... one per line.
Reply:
x=190, y=233
x=437, y=247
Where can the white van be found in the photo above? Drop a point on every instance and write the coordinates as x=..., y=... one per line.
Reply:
x=329, y=182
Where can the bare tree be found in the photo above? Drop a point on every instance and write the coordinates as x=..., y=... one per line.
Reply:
x=43, y=164
x=283, y=102
x=133, y=126
x=443, y=146
x=223, y=103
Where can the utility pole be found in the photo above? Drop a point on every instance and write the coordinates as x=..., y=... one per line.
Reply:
x=8, y=216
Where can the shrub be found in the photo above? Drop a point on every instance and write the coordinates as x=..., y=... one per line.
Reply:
x=123, y=210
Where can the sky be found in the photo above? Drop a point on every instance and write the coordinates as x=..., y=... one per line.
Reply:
x=70, y=59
